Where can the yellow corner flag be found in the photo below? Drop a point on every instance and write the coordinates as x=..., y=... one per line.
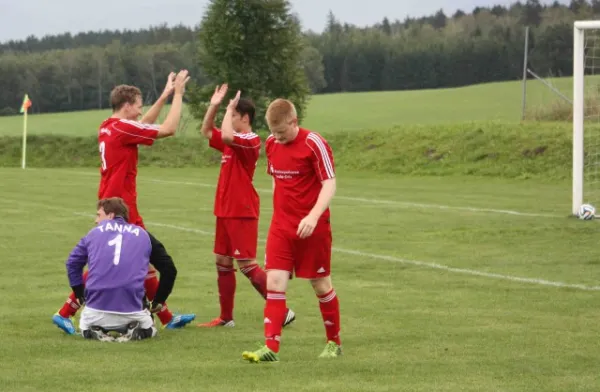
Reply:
x=26, y=105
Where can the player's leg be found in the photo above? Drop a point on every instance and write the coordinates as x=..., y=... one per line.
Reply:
x=244, y=240
x=140, y=326
x=314, y=263
x=151, y=284
x=106, y=326
x=279, y=265
x=226, y=280
x=62, y=318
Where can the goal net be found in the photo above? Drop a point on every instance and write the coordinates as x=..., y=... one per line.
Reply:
x=586, y=114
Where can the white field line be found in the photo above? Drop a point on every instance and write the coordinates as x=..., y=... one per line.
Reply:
x=370, y=201
x=426, y=264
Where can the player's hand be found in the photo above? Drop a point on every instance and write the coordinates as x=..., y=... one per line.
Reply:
x=170, y=86
x=233, y=102
x=81, y=301
x=307, y=226
x=180, y=81
x=219, y=94
x=155, y=308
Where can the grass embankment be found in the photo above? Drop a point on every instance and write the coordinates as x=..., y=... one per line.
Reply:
x=485, y=149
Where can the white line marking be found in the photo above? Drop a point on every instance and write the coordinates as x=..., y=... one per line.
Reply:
x=363, y=200
x=389, y=202
x=418, y=263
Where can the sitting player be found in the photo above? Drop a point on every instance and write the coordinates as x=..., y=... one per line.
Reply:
x=118, y=139
x=236, y=202
x=118, y=255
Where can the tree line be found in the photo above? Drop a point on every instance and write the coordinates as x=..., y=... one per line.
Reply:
x=76, y=72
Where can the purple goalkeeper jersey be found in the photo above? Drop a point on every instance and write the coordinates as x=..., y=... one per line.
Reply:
x=118, y=255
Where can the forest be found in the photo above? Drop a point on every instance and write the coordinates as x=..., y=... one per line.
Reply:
x=76, y=72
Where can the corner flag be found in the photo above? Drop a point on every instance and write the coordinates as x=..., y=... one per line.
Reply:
x=26, y=105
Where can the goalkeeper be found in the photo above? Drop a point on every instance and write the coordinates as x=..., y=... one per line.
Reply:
x=118, y=257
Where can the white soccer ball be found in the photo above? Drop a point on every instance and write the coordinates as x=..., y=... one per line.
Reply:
x=586, y=212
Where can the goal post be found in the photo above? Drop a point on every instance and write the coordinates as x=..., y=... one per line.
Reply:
x=586, y=34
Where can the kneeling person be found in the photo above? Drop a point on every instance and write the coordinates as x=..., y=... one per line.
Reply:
x=118, y=257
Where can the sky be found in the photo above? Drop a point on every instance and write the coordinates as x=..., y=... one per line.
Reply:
x=19, y=19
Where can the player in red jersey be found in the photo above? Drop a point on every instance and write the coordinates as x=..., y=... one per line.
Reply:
x=118, y=140
x=299, y=239
x=236, y=202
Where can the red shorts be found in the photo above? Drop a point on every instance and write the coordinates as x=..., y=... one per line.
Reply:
x=236, y=238
x=134, y=215
x=307, y=258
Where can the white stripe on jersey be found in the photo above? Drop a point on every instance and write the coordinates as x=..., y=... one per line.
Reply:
x=132, y=134
x=142, y=126
x=323, y=150
x=248, y=135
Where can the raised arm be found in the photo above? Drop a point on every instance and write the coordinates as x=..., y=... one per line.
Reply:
x=153, y=113
x=227, y=130
x=208, y=123
x=169, y=126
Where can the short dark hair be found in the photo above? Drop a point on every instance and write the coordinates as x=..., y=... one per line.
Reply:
x=114, y=205
x=123, y=94
x=246, y=107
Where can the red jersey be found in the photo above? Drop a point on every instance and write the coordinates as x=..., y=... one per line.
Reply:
x=298, y=168
x=118, y=141
x=236, y=196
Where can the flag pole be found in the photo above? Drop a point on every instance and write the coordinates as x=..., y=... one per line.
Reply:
x=24, y=138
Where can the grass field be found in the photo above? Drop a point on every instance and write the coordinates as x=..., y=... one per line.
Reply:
x=353, y=111
x=451, y=277
x=446, y=284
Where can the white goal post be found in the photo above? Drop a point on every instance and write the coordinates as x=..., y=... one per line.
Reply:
x=580, y=34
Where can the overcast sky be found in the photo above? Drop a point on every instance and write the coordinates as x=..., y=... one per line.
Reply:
x=18, y=19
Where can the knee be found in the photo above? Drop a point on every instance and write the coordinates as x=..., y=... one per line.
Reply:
x=322, y=286
x=224, y=261
x=277, y=280
x=245, y=263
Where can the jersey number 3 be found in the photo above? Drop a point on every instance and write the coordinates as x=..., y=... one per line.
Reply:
x=116, y=242
x=102, y=155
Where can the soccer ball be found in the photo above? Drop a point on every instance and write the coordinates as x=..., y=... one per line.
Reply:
x=586, y=212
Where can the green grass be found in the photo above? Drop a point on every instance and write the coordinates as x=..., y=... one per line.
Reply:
x=352, y=111
x=405, y=327
x=484, y=149
x=445, y=202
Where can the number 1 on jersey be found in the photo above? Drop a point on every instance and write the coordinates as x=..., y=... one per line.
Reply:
x=102, y=156
x=116, y=242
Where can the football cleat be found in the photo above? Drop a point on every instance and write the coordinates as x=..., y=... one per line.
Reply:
x=263, y=354
x=180, y=321
x=64, y=323
x=332, y=350
x=290, y=316
x=218, y=322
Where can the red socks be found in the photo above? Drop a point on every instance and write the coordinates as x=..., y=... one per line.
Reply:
x=330, y=310
x=275, y=310
x=71, y=305
x=226, y=283
x=151, y=286
x=258, y=278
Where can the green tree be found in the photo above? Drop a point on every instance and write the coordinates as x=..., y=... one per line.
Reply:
x=255, y=46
